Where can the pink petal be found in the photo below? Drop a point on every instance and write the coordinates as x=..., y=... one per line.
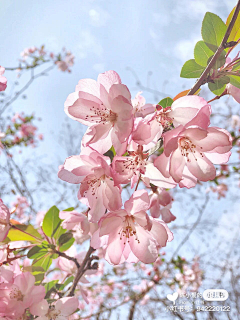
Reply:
x=162, y=164
x=90, y=86
x=167, y=215
x=218, y=158
x=155, y=176
x=108, y=78
x=67, y=305
x=177, y=164
x=161, y=232
x=110, y=223
x=145, y=247
x=39, y=308
x=201, y=167
x=139, y=201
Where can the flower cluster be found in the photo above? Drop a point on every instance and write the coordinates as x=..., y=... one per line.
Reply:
x=19, y=296
x=122, y=134
x=20, y=132
x=190, y=277
x=34, y=56
x=20, y=206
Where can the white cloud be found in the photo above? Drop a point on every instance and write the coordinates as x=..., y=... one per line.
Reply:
x=98, y=17
x=184, y=49
x=89, y=44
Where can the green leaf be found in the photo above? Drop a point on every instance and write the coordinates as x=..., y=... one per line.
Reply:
x=219, y=85
x=44, y=262
x=220, y=61
x=67, y=245
x=51, y=222
x=37, y=252
x=48, y=286
x=34, y=270
x=191, y=69
x=236, y=66
x=64, y=238
x=17, y=235
x=62, y=286
x=213, y=29
x=69, y=209
x=235, y=81
x=166, y=102
x=202, y=53
x=39, y=277
x=235, y=33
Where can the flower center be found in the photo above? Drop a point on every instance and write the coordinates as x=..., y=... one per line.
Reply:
x=187, y=147
x=128, y=230
x=162, y=116
x=16, y=294
x=101, y=115
x=53, y=314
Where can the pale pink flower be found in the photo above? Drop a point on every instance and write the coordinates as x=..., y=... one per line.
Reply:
x=183, y=110
x=221, y=190
x=3, y=80
x=20, y=206
x=140, y=108
x=191, y=150
x=233, y=91
x=27, y=130
x=21, y=294
x=160, y=204
x=67, y=62
x=97, y=189
x=105, y=106
x=129, y=168
x=4, y=220
x=129, y=234
x=73, y=219
x=58, y=310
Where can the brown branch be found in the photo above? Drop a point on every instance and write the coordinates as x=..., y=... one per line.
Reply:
x=84, y=266
x=224, y=44
x=64, y=255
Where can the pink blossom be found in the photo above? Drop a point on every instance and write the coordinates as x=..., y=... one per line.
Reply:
x=105, y=106
x=59, y=310
x=21, y=294
x=20, y=205
x=67, y=62
x=27, y=130
x=130, y=234
x=130, y=167
x=191, y=278
x=184, y=110
x=97, y=189
x=140, y=108
x=4, y=220
x=160, y=204
x=233, y=91
x=3, y=80
x=191, y=150
x=221, y=190
x=73, y=219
